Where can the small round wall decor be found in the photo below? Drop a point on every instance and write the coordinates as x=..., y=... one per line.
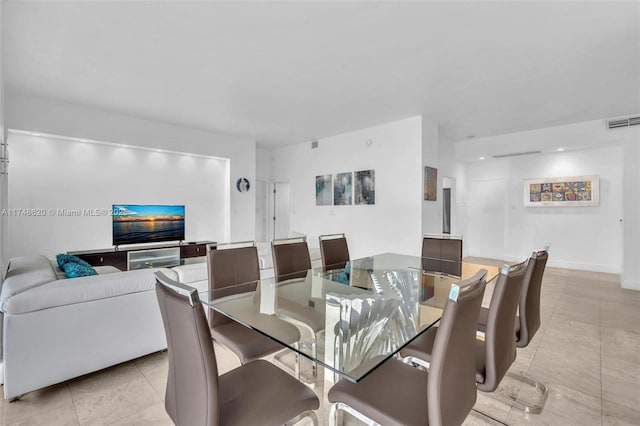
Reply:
x=243, y=185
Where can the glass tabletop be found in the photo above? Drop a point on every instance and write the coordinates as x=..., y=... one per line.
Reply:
x=352, y=319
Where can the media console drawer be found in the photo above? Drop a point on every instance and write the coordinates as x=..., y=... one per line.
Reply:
x=193, y=250
x=109, y=258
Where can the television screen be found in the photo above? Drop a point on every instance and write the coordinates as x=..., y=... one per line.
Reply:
x=135, y=224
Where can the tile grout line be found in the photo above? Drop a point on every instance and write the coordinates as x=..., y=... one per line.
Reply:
x=73, y=403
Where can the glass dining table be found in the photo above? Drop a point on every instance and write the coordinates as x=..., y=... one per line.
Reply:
x=355, y=318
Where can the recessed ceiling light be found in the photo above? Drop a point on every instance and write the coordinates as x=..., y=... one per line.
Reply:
x=482, y=158
x=560, y=149
x=36, y=134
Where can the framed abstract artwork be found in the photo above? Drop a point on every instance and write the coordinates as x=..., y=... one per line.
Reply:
x=430, y=183
x=324, y=193
x=571, y=191
x=364, y=187
x=342, y=189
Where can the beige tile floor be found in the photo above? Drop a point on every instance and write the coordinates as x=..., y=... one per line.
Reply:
x=587, y=351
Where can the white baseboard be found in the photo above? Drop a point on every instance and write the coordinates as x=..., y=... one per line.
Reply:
x=630, y=284
x=594, y=267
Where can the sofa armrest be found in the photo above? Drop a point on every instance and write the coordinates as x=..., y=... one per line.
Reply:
x=25, y=273
x=79, y=290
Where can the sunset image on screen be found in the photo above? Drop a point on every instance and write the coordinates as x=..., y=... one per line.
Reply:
x=134, y=224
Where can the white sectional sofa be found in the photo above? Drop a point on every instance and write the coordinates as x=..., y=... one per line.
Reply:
x=55, y=329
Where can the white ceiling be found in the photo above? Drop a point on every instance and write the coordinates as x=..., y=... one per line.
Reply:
x=290, y=72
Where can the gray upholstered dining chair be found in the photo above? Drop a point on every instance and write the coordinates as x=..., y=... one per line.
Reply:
x=334, y=251
x=290, y=258
x=497, y=352
x=236, y=270
x=291, y=261
x=197, y=396
x=396, y=393
x=527, y=324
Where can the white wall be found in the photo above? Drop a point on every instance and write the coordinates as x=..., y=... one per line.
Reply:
x=394, y=223
x=589, y=238
x=263, y=173
x=263, y=164
x=55, y=173
x=449, y=167
x=631, y=224
x=431, y=210
x=31, y=113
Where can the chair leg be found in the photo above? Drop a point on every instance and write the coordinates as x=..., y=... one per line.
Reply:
x=514, y=401
x=314, y=346
x=334, y=414
x=295, y=369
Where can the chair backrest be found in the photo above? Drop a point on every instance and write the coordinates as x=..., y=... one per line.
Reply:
x=451, y=386
x=231, y=271
x=290, y=259
x=530, y=300
x=192, y=383
x=500, y=341
x=334, y=251
x=441, y=247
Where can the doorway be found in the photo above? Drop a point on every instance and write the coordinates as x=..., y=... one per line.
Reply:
x=448, y=205
x=446, y=210
x=486, y=219
x=281, y=210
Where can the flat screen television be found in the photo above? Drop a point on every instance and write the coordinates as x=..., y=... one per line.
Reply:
x=136, y=224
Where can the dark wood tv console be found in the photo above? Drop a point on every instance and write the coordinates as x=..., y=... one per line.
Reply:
x=141, y=256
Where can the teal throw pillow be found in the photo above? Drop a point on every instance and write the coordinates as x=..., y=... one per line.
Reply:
x=61, y=259
x=64, y=258
x=74, y=270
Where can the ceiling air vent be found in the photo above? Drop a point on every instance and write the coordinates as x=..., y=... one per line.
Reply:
x=314, y=144
x=626, y=122
x=515, y=154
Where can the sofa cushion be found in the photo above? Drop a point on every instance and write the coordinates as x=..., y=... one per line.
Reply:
x=191, y=273
x=24, y=273
x=108, y=269
x=101, y=270
x=83, y=289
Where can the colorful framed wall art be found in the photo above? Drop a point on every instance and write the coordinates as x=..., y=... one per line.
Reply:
x=572, y=191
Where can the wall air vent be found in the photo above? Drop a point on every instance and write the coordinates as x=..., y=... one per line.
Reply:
x=515, y=154
x=626, y=122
